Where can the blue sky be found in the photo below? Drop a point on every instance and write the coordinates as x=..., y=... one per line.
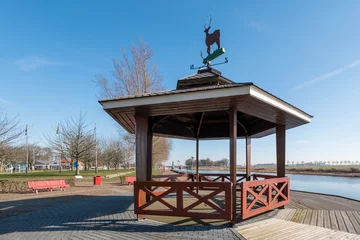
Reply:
x=305, y=52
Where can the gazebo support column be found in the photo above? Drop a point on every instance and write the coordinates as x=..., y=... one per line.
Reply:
x=197, y=145
x=233, y=138
x=280, y=153
x=143, y=152
x=248, y=158
x=280, y=150
x=197, y=159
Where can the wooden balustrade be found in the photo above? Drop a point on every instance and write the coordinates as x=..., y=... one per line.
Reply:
x=219, y=177
x=263, y=195
x=179, y=190
x=263, y=176
x=174, y=177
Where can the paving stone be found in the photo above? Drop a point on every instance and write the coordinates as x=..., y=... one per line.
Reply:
x=102, y=217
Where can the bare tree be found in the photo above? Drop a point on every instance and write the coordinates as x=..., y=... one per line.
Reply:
x=74, y=140
x=136, y=74
x=10, y=130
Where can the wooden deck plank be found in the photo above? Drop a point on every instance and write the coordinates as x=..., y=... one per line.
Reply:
x=308, y=216
x=357, y=216
x=290, y=232
x=348, y=223
x=340, y=221
x=296, y=216
x=310, y=233
x=320, y=218
x=327, y=222
x=355, y=223
x=274, y=229
x=302, y=216
x=334, y=223
x=314, y=218
x=302, y=200
x=277, y=229
x=290, y=215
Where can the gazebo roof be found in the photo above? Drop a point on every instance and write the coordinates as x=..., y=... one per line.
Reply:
x=200, y=107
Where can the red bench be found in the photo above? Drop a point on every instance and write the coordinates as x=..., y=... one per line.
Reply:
x=130, y=180
x=47, y=184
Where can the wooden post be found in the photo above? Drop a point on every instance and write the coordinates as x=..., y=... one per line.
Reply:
x=143, y=153
x=280, y=150
x=149, y=156
x=233, y=138
x=197, y=146
x=248, y=158
x=197, y=159
x=280, y=154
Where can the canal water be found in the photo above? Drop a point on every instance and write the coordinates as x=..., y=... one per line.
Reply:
x=342, y=186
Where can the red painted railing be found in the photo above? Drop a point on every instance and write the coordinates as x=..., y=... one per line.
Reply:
x=264, y=195
x=177, y=190
x=219, y=177
x=174, y=178
x=257, y=176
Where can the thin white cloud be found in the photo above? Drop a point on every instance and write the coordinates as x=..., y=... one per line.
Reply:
x=257, y=26
x=327, y=75
x=302, y=141
x=34, y=62
x=7, y=102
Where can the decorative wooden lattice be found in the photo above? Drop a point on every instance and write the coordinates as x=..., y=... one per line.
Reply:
x=178, y=190
x=264, y=195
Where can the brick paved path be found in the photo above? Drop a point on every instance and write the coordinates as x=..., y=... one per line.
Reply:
x=100, y=217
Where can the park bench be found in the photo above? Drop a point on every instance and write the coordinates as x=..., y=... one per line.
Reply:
x=130, y=180
x=47, y=184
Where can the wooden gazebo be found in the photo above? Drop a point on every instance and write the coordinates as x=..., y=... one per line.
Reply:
x=204, y=106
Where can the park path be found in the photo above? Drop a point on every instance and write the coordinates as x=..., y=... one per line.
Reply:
x=99, y=217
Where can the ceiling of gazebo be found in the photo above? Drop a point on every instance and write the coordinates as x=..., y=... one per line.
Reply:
x=179, y=113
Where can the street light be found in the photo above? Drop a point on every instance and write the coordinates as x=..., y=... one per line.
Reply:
x=192, y=163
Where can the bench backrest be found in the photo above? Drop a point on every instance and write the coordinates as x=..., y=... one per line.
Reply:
x=46, y=183
x=130, y=179
x=43, y=184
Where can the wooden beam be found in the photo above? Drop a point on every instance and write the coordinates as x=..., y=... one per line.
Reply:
x=248, y=158
x=233, y=138
x=280, y=150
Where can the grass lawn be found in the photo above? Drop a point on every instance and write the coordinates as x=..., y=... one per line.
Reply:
x=56, y=174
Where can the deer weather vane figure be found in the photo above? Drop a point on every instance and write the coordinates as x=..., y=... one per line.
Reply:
x=211, y=38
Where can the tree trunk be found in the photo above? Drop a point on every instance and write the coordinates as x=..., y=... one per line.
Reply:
x=77, y=167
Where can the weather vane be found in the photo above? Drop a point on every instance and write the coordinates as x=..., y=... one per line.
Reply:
x=210, y=39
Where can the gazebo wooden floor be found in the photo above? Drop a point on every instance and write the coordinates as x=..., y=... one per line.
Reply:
x=325, y=211
x=277, y=229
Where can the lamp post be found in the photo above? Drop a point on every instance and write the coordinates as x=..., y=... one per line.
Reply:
x=27, y=149
x=96, y=151
x=192, y=163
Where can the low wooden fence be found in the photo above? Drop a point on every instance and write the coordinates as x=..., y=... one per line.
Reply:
x=174, y=178
x=143, y=188
x=266, y=195
x=219, y=177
